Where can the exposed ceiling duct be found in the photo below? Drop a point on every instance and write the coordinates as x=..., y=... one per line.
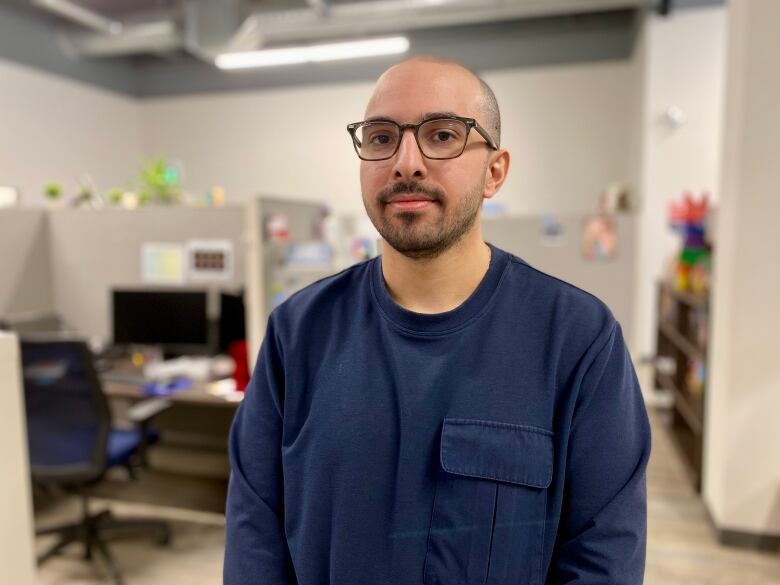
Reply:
x=80, y=15
x=209, y=26
x=384, y=16
x=206, y=28
x=148, y=37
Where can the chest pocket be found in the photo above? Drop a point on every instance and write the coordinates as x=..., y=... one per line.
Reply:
x=488, y=520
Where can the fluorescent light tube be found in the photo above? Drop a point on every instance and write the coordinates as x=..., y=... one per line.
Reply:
x=313, y=53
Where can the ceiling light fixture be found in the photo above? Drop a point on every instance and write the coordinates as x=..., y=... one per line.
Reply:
x=313, y=53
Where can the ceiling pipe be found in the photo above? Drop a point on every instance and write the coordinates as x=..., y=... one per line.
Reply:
x=135, y=39
x=80, y=15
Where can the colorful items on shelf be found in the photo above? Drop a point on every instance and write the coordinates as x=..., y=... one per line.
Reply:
x=668, y=308
x=695, y=377
x=698, y=328
x=689, y=218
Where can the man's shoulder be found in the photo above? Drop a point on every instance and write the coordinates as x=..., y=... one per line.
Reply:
x=322, y=294
x=565, y=303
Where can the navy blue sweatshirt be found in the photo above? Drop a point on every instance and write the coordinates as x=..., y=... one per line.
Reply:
x=503, y=442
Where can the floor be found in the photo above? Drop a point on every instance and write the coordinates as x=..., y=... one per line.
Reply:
x=681, y=547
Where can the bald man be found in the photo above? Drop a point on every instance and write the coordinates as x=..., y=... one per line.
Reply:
x=444, y=414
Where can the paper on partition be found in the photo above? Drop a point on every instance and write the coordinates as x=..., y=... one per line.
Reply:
x=162, y=263
x=9, y=196
x=553, y=231
x=599, y=238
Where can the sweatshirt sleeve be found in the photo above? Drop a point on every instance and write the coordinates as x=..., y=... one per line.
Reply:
x=602, y=533
x=256, y=546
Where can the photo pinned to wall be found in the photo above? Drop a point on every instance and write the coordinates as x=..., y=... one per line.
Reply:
x=599, y=238
x=553, y=232
x=162, y=263
x=209, y=260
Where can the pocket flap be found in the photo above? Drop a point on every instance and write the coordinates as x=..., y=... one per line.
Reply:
x=500, y=451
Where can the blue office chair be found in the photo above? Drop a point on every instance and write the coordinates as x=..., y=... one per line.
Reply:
x=72, y=443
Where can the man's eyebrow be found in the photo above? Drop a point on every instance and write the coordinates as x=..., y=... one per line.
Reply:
x=379, y=119
x=431, y=115
x=426, y=116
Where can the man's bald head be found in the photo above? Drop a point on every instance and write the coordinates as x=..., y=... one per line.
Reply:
x=488, y=114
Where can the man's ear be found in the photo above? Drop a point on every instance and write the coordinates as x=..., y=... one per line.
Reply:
x=495, y=173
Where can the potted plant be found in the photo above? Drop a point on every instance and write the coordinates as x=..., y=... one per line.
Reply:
x=115, y=195
x=53, y=192
x=159, y=182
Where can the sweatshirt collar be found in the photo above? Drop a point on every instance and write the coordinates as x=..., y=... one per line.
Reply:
x=440, y=323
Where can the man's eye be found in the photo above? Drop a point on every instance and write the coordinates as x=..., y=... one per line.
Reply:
x=380, y=139
x=443, y=136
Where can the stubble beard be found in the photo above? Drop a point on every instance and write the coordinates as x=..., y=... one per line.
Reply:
x=419, y=237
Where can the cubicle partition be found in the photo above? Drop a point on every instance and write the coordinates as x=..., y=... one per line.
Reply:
x=95, y=251
x=68, y=260
x=25, y=277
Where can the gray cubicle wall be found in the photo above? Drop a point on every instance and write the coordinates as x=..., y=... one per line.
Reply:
x=612, y=281
x=25, y=282
x=93, y=251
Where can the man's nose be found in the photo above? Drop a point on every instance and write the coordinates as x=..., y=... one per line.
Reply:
x=409, y=161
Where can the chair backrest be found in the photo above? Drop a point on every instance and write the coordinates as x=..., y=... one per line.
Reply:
x=68, y=418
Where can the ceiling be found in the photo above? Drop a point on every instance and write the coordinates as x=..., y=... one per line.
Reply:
x=202, y=29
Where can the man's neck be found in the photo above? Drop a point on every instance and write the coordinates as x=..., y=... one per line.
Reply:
x=438, y=284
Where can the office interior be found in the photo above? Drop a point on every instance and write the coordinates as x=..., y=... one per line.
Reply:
x=155, y=207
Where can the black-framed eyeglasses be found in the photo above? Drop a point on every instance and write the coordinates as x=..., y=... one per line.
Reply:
x=438, y=138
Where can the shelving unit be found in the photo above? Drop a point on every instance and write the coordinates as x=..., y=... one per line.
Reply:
x=681, y=368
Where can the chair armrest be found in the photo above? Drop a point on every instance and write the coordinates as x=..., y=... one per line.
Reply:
x=146, y=410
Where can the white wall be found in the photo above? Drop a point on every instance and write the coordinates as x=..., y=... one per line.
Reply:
x=565, y=150
x=16, y=537
x=742, y=466
x=684, y=66
x=54, y=129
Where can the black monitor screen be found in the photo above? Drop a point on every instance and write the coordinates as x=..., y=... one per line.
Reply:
x=160, y=318
x=231, y=320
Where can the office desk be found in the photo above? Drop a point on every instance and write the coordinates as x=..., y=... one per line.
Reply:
x=194, y=396
x=129, y=389
x=193, y=431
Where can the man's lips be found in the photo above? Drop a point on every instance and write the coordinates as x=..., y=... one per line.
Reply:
x=410, y=202
x=408, y=197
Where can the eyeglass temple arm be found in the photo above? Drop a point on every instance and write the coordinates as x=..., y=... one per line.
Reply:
x=484, y=133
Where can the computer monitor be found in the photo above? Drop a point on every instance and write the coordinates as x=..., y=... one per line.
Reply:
x=232, y=319
x=175, y=320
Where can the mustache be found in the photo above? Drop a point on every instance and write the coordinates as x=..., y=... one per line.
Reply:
x=386, y=195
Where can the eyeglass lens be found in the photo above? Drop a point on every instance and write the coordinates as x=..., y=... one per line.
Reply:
x=437, y=139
